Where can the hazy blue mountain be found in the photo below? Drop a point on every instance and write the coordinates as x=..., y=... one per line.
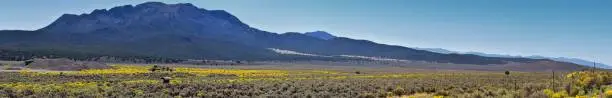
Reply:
x=320, y=34
x=575, y=61
x=184, y=31
x=560, y=59
x=437, y=50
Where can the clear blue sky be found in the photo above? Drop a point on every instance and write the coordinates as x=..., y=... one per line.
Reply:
x=557, y=28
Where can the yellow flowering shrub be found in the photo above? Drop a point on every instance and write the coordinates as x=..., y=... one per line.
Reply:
x=581, y=96
x=608, y=94
x=552, y=94
x=238, y=72
x=80, y=84
x=20, y=87
x=25, y=72
x=586, y=78
x=141, y=82
x=68, y=87
x=117, y=69
x=175, y=81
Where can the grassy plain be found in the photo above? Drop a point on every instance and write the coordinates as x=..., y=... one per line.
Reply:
x=137, y=80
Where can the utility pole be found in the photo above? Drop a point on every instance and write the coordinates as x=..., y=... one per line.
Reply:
x=594, y=64
x=553, y=81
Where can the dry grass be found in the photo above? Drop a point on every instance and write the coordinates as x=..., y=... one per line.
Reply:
x=291, y=80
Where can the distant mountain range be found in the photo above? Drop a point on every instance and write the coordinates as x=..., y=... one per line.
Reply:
x=321, y=35
x=560, y=59
x=184, y=31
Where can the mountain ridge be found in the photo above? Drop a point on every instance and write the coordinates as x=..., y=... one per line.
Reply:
x=186, y=32
x=578, y=61
x=320, y=34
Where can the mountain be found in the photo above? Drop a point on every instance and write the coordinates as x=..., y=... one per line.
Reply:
x=560, y=59
x=437, y=50
x=575, y=61
x=183, y=31
x=320, y=34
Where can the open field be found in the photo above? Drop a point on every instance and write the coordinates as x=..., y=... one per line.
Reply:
x=137, y=80
x=3, y=63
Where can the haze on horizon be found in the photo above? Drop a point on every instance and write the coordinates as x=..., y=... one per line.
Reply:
x=517, y=27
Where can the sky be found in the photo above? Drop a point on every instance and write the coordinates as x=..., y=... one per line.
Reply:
x=554, y=28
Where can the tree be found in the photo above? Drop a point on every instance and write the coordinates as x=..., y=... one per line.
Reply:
x=28, y=62
x=507, y=73
x=507, y=77
x=154, y=68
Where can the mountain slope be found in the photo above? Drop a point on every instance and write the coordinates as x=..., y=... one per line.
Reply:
x=320, y=34
x=186, y=32
x=582, y=62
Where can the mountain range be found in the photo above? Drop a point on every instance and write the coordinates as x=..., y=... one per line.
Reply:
x=184, y=31
x=560, y=59
x=321, y=35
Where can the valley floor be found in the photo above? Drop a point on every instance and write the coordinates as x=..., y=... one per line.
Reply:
x=299, y=80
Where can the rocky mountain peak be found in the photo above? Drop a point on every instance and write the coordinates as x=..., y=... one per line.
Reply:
x=147, y=16
x=152, y=4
